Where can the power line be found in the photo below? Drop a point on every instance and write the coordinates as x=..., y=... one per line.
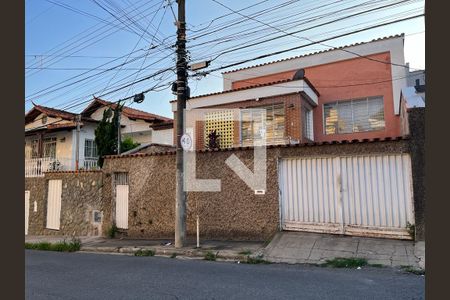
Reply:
x=315, y=42
x=312, y=43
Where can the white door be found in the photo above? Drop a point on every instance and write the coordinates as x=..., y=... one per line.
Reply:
x=368, y=195
x=27, y=210
x=122, y=206
x=54, y=204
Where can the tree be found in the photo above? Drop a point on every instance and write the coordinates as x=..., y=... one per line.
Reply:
x=106, y=133
x=128, y=144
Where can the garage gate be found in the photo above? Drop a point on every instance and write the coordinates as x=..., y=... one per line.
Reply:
x=368, y=195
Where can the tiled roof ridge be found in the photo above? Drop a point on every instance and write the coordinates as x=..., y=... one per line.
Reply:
x=343, y=142
x=255, y=86
x=134, y=111
x=317, y=52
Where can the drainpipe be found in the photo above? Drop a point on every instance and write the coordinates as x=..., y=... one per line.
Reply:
x=119, y=140
x=77, y=155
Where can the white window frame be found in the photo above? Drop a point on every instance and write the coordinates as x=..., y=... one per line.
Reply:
x=269, y=141
x=92, y=147
x=351, y=101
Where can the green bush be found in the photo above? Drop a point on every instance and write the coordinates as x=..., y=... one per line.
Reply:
x=112, y=231
x=341, y=262
x=256, y=260
x=142, y=252
x=72, y=246
x=210, y=256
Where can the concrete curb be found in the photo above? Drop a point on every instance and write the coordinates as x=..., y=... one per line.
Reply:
x=221, y=255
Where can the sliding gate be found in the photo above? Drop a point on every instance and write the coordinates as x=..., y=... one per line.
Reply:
x=369, y=195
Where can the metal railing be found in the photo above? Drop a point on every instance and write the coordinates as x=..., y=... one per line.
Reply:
x=36, y=167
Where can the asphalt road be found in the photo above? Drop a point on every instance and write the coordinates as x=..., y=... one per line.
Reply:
x=54, y=275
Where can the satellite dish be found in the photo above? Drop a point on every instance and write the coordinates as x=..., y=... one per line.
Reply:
x=300, y=74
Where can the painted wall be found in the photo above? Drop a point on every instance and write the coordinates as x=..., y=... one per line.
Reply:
x=38, y=122
x=64, y=146
x=345, y=80
x=393, y=45
x=163, y=136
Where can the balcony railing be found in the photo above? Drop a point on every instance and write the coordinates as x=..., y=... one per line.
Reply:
x=36, y=167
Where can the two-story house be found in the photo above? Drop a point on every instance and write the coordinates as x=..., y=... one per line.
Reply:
x=52, y=141
x=345, y=93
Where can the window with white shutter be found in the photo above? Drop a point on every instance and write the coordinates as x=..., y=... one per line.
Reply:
x=357, y=115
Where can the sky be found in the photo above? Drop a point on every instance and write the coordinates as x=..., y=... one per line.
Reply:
x=74, y=49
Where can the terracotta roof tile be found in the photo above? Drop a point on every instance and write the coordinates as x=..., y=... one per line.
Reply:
x=308, y=144
x=52, y=112
x=314, y=53
x=127, y=111
x=256, y=86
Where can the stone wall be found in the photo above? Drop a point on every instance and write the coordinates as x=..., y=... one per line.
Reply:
x=235, y=212
x=81, y=195
x=416, y=120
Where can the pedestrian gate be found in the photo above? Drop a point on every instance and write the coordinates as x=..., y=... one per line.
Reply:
x=54, y=204
x=27, y=210
x=122, y=189
x=369, y=195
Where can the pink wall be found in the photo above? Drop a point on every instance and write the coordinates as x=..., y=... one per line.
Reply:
x=344, y=80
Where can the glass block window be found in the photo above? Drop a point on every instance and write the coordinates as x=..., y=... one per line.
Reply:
x=253, y=127
x=222, y=122
x=357, y=115
x=90, y=149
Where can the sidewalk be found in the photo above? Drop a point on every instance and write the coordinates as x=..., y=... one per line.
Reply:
x=224, y=250
x=285, y=247
x=314, y=248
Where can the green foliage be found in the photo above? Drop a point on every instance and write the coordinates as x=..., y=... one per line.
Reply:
x=256, y=260
x=106, y=133
x=245, y=252
x=128, y=144
x=142, y=252
x=210, y=256
x=413, y=270
x=411, y=229
x=63, y=246
x=341, y=262
x=173, y=255
x=112, y=231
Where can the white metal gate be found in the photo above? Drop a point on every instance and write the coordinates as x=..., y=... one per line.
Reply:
x=122, y=190
x=27, y=210
x=54, y=204
x=368, y=195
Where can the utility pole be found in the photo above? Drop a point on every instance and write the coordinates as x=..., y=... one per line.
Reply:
x=77, y=156
x=180, y=203
x=119, y=110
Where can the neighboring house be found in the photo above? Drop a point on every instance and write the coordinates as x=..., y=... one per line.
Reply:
x=411, y=97
x=150, y=148
x=143, y=127
x=416, y=78
x=345, y=93
x=51, y=135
